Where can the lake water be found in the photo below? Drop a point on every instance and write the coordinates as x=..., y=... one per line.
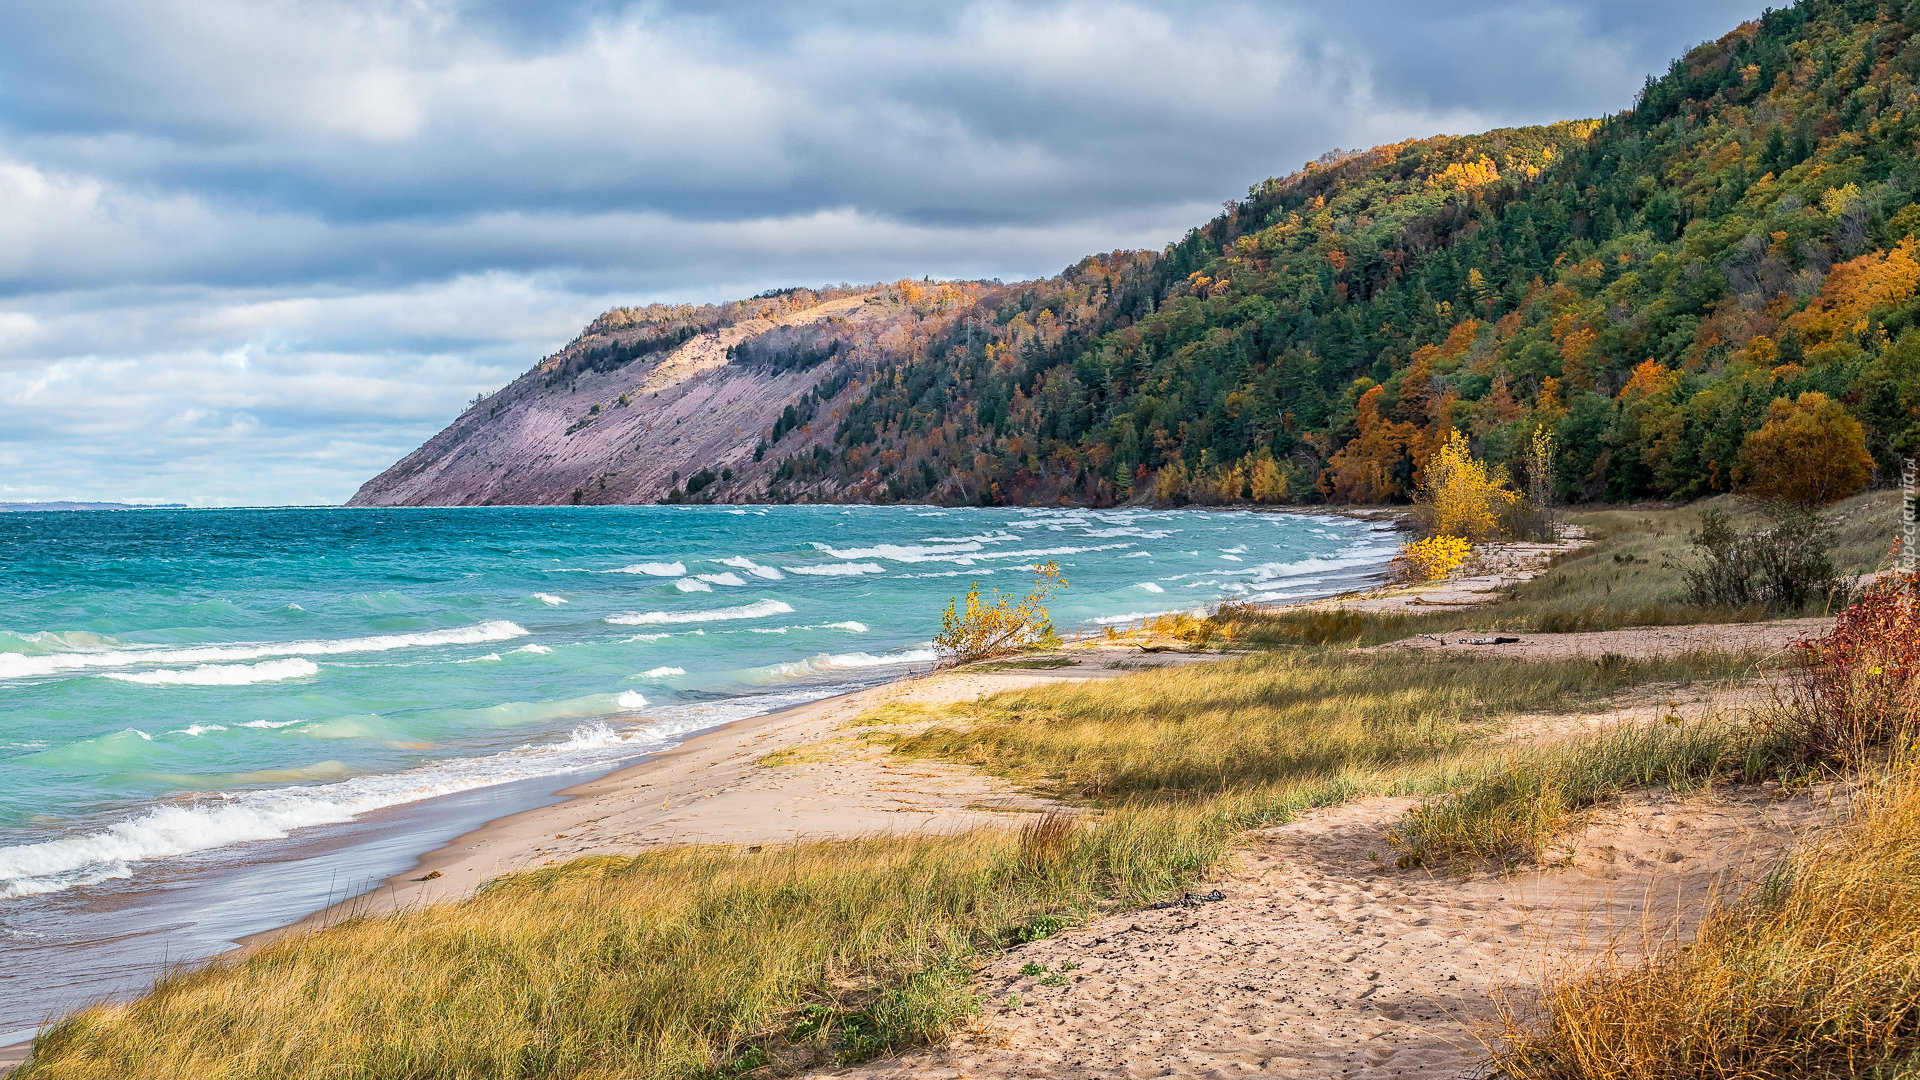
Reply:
x=188, y=694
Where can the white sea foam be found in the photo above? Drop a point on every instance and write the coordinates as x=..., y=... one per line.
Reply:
x=198, y=730
x=837, y=569
x=16, y=665
x=722, y=579
x=549, y=599
x=221, y=674
x=652, y=569
x=537, y=650
x=962, y=554
x=662, y=672
x=1150, y=586
x=630, y=700
x=994, y=537
x=855, y=627
x=1138, y=555
x=650, y=638
x=759, y=609
x=828, y=663
x=687, y=584
x=490, y=658
x=751, y=567
x=219, y=821
x=901, y=552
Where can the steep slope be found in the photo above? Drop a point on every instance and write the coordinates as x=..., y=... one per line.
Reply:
x=1643, y=287
x=649, y=403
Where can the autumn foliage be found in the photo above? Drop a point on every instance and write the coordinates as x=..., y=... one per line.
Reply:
x=1369, y=469
x=1460, y=496
x=1808, y=453
x=1430, y=558
x=1857, y=689
x=995, y=626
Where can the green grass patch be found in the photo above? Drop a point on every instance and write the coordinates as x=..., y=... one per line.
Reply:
x=1628, y=577
x=1035, y=664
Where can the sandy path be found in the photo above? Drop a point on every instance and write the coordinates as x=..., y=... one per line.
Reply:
x=1325, y=961
x=1642, y=642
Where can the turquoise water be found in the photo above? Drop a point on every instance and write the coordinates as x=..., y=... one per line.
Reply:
x=177, y=683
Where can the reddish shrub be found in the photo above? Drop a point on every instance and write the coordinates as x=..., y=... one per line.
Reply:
x=1857, y=688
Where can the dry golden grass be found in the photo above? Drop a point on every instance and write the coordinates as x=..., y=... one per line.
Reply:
x=1815, y=975
x=686, y=962
x=1516, y=805
x=1276, y=719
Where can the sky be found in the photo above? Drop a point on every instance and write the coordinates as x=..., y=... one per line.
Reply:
x=252, y=251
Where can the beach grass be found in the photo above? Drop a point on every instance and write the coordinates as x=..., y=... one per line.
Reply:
x=1814, y=973
x=1276, y=719
x=687, y=962
x=1515, y=806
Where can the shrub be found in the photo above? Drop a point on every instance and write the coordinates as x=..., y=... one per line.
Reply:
x=1430, y=559
x=1857, y=689
x=994, y=628
x=1784, y=567
x=1532, y=515
x=1808, y=453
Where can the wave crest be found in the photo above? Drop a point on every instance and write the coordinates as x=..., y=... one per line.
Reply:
x=759, y=609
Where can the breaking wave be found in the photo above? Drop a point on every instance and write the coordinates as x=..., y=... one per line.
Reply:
x=17, y=665
x=759, y=609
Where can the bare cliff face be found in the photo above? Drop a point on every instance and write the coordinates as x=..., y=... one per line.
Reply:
x=645, y=401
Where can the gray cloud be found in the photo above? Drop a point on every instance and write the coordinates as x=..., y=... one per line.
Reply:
x=253, y=250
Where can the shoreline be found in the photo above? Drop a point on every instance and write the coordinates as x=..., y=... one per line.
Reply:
x=716, y=787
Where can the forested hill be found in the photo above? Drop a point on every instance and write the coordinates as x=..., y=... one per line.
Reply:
x=1644, y=285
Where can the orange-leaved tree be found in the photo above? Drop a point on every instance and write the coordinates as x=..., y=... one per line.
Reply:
x=998, y=626
x=1368, y=469
x=1808, y=453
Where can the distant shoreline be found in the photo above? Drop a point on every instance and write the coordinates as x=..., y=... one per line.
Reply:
x=30, y=507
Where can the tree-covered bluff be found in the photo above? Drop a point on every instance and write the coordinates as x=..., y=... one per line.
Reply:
x=1645, y=285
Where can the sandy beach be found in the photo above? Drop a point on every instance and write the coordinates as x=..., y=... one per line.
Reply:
x=800, y=773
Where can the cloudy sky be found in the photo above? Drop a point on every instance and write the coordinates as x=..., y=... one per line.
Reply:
x=252, y=251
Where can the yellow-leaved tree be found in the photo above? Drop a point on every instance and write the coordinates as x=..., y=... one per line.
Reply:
x=997, y=626
x=1459, y=496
